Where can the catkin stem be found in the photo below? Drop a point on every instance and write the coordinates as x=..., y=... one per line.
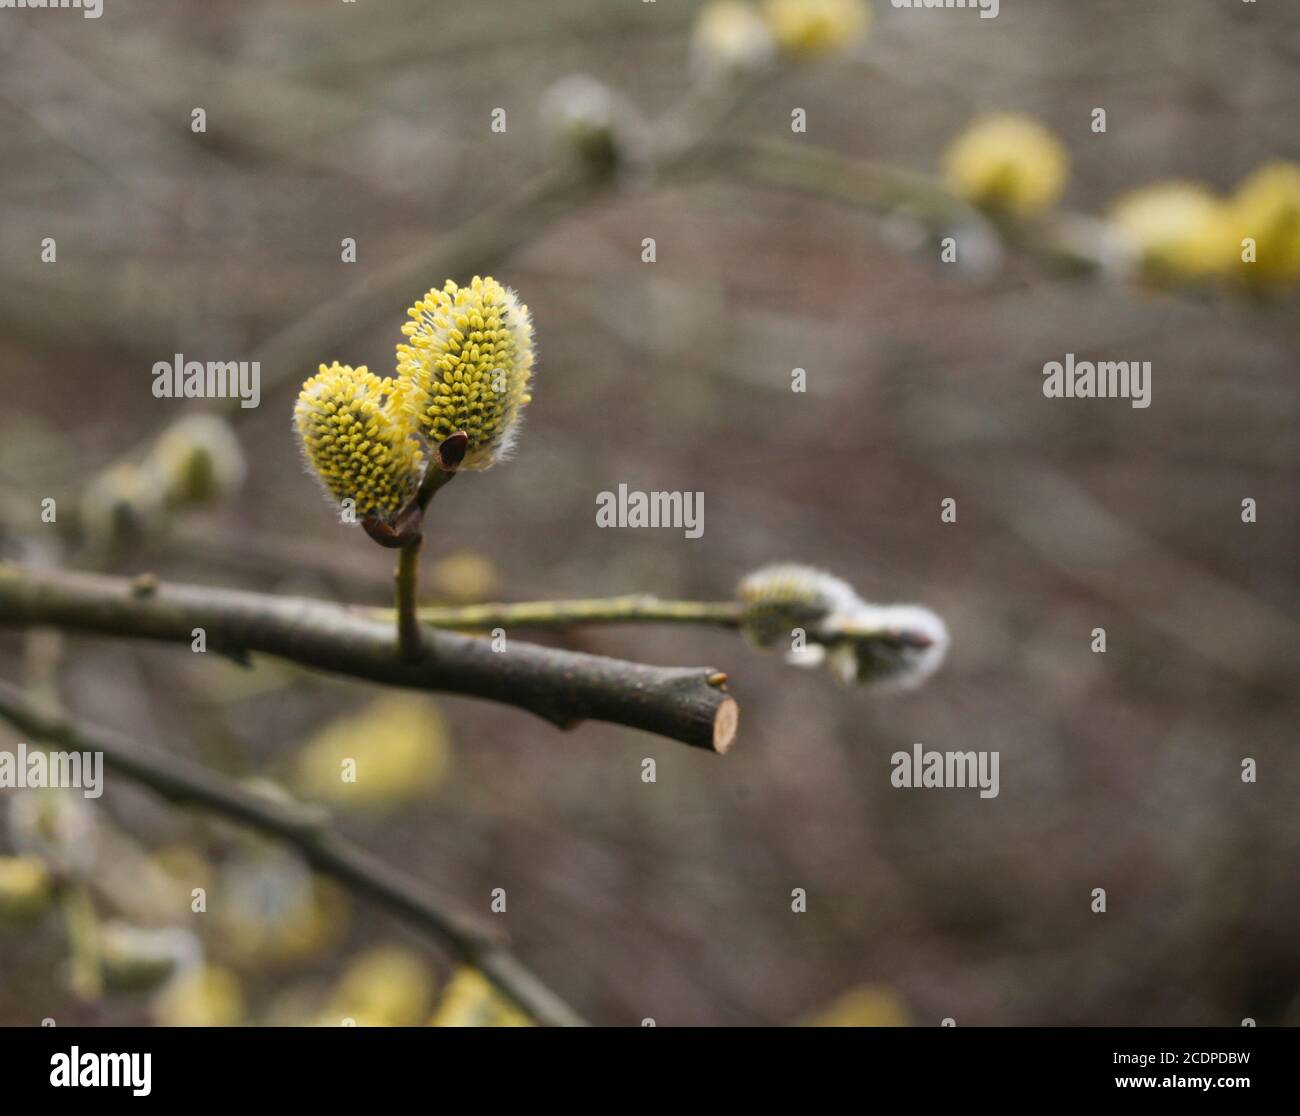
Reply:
x=408, y=579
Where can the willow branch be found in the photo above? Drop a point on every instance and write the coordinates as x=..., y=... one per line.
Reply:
x=303, y=827
x=689, y=704
x=1068, y=241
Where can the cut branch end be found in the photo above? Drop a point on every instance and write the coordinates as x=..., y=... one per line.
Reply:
x=726, y=721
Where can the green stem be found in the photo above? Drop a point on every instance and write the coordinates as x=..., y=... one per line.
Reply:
x=439, y=472
x=635, y=609
x=435, y=477
x=408, y=577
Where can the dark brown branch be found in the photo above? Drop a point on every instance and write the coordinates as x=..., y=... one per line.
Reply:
x=689, y=704
x=304, y=827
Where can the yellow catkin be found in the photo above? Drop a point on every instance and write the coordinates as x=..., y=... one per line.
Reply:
x=781, y=597
x=357, y=437
x=467, y=366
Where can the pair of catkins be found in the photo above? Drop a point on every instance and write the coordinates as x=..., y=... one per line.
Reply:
x=465, y=369
x=464, y=374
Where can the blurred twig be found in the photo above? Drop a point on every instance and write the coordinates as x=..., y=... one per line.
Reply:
x=689, y=704
x=1069, y=241
x=324, y=329
x=1220, y=622
x=842, y=177
x=495, y=231
x=302, y=826
x=96, y=123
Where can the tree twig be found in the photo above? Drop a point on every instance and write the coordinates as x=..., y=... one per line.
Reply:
x=689, y=704
x=303, y=827
x=633, y=609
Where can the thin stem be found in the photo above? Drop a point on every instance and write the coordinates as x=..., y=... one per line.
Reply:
x=441, y=469
x=635, y=609
x=435, y=476
x=408, y=577
x=304, y=827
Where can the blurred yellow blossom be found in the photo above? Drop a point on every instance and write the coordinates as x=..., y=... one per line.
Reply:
x=203, y=996
x=464, y=577
x=141, y=957
x=198, y=459
x=393, y=751
x=866, y=1006
x=26, y=888
x=56, y=825
x=1180, y=230
x=729, y=37
x=1007, y=163
x=384, y=987
x=122, y=505
x=812, y=27
x=276, y=910
x=1266, y=208
x=470, y=1000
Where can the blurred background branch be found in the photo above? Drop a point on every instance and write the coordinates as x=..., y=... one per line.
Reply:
x=307, y=830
